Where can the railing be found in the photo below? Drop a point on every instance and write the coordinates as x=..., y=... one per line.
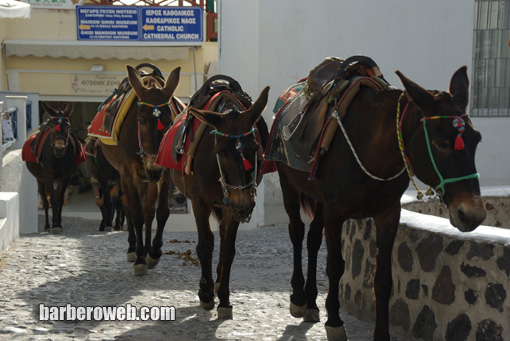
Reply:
x=16, y=114
x=9, y=127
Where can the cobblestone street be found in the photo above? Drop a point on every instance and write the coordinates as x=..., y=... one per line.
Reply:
x=84, y=267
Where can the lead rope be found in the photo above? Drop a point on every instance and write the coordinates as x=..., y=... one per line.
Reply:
x=407, y=163
x=335, y=115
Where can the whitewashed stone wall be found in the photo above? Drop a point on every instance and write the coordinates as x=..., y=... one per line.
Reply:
x=447, y=285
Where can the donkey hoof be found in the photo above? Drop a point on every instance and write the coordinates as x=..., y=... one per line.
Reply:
x=207, y=305
x=151, y=262
x=140, y=269
x=336, y=333
x=57, y=229
x=296, y=310
x=225, y=313
x=216, y=287
x=131, y=256
x=312, y=315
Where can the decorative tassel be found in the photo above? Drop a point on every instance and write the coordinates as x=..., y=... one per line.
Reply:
x=247, y=165
x=160, y=125
x=459, y=142
x=57, y=127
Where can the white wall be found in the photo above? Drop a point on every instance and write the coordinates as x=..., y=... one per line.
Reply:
x=265, y=42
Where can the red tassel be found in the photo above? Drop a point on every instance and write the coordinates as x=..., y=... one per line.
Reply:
x=57, y=127
x=247, y=165
x=459, y=142
x=160, y=125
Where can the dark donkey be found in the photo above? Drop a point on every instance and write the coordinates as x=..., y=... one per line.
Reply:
x=144, y=125
x=105, y=182
x=363, y=175
x=225, y=174
x=52, y=157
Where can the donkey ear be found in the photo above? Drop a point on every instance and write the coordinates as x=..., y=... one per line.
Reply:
x=419, y=95
x=209, y=117
x=135, y=80
x=172, y=82
x=255, y=111
x=48, y=109
x=459, y=87
x=69, y=109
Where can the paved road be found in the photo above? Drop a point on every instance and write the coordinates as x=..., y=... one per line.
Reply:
x=83, y=267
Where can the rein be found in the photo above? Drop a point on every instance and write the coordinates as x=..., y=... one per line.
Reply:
x=458, y=123
x=337, y=117
x=247, y=165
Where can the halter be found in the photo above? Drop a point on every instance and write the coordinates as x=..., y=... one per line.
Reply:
x=58, y=128
x=458, y=123
x=156, y=113
x=247, y=165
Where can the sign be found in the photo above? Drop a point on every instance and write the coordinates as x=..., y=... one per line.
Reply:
x=171, y=24
x=94, y=84
x=107, y=23
x=54, y=4
x=140, y=23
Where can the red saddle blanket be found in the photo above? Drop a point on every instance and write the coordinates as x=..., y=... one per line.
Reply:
x=165, y=158
x=28, y=155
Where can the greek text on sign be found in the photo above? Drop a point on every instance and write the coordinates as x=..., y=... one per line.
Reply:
x=176, y=24
x=140, y=23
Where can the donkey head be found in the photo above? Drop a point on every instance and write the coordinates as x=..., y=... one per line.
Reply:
x=442, y=149
x=60, y=128
x=236, y=149
x=154, y=116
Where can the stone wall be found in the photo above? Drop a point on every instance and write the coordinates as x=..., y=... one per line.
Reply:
x=447, y=285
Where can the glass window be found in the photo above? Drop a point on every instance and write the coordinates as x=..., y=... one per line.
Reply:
x=491, y=59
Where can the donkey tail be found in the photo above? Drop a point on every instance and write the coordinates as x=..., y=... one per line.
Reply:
x=308, y=205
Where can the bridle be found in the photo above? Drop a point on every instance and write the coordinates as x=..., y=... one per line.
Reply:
x=58, y=128
x=252, y=185
x=156, y=113
x=458, y=123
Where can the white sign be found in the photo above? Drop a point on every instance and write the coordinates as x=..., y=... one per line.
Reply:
x=54, y=4
x=94, y=84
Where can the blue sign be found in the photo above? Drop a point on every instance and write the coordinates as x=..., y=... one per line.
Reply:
x=107, y=23
x=182, y=24
x=140, y=23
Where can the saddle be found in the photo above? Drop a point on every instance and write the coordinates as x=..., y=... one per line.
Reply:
x=111, y=113
x=215, y=89
x=179, y=144
x=302, y=131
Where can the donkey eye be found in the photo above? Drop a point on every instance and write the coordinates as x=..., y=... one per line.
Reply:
x=442, y=144
x=140, y=122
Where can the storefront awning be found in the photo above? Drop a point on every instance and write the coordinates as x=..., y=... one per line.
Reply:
x=93, y=49
x=14, y=9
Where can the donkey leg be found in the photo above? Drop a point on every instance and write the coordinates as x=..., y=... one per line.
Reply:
x=136, y=213
x=219, y=215
x=126, y=202
x=296, y=233
x=41, y=187
x=387, y=226
x=314, y=241
x=204, y=249
x=335, y=265
x=228, y=251
x=149, y=211
x=107, y=205
x=162, y=214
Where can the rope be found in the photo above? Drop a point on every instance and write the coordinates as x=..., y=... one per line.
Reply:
x=400, y=138
x=335, y=115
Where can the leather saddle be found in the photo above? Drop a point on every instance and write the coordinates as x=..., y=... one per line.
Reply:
x=203, y=99
x=113, y=102
x=303, y=118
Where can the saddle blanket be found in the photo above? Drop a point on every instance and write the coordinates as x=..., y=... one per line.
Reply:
x=28, y=155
